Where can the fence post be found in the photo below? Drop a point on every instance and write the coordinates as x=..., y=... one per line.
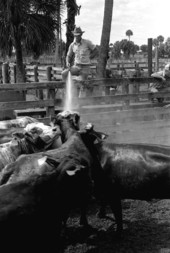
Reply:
x=50, y=110
x=13, y=73
x=125, y=90
x=149, y=57
x=5, y=73
x=35, y=70
x=156, y=59
x=136, y=90
x=40, y=93
x=35, y=73
x=49, y=73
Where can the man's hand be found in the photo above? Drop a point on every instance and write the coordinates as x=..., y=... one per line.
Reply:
x=68, y=64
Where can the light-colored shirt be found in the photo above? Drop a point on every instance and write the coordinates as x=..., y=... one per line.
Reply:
x=82, y=51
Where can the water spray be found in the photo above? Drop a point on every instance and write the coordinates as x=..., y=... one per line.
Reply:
x=68, y=97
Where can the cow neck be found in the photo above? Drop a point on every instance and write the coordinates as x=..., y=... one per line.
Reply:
x=26, y=146
x=67, y=129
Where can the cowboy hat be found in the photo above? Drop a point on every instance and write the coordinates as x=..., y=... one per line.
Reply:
x=77, y=31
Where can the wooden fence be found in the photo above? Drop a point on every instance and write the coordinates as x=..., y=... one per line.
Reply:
x=124, y=108
x=38, y=73
x=43, y=73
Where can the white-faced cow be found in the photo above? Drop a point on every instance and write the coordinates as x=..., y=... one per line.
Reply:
x=35, y=137
x=8, y=127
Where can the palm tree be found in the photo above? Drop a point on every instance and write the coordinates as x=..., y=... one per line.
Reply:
x=58, y=44
x=155, y=42
x=160, y=39
x=29, y=24
x=72, y=10
x=129, y=33
x=105, y=38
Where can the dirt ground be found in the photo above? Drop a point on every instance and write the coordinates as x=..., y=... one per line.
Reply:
x=146, y=230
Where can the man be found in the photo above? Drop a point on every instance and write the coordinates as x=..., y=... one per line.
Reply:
x=164, y=74
x=161, y=76
x=83, y=51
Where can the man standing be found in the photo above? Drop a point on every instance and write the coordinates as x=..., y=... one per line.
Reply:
x=83, y=51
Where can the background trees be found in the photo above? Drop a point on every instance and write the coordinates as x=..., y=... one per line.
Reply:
x=124, y=48
x=129, y=33
x=30, y=24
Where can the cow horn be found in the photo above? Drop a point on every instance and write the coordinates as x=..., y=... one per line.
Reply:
x=73, y=172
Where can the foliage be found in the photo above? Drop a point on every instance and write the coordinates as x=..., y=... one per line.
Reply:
x=167, y=47
x=160, y=39
x=116, y=50
x=124, y=46
x=155, y=42
x=32, y=21
x=129, y=33
x=27, y=24
x=144, y=48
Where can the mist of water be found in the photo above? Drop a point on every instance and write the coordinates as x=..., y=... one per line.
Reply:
x=68, y=96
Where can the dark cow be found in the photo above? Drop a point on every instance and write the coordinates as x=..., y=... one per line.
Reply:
x=131, y=171
x=47, y=184
x=28, y=215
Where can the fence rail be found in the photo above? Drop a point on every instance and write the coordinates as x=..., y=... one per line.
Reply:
x=38, y=73
x=122, y=92
x=123, y=108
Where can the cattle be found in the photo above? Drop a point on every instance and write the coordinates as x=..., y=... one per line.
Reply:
x=19, y=122
x=130, y=171
x=65, y=183
x=35, y=137
x=8, y=127
x=28, y=215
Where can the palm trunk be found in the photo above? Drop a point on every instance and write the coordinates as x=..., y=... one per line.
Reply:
x=57, y=53
x=20, y=70
x=71, y=13
x=104, y=44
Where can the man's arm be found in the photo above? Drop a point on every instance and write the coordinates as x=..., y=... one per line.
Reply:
x=94, y=53
x=69, y=56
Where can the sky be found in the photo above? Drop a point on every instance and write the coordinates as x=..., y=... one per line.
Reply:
x=145, y=18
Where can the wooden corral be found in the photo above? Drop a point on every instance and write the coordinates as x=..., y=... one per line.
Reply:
x=43, y=73
x=120, y=107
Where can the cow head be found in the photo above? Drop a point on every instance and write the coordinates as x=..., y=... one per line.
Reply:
x=99, y=136
x=90, y=136
x=73, y=118
x=38, y=136
x=68, y=121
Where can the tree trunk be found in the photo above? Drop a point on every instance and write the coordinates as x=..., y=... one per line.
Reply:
x=58, y=42
x=71, y=13
x=105, y=38
x=20, y=70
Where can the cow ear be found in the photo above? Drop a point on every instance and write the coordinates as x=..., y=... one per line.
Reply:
x=99, y=136
x=18, y=135
x=42, y=160
x=104, y=136
x=73, y=172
